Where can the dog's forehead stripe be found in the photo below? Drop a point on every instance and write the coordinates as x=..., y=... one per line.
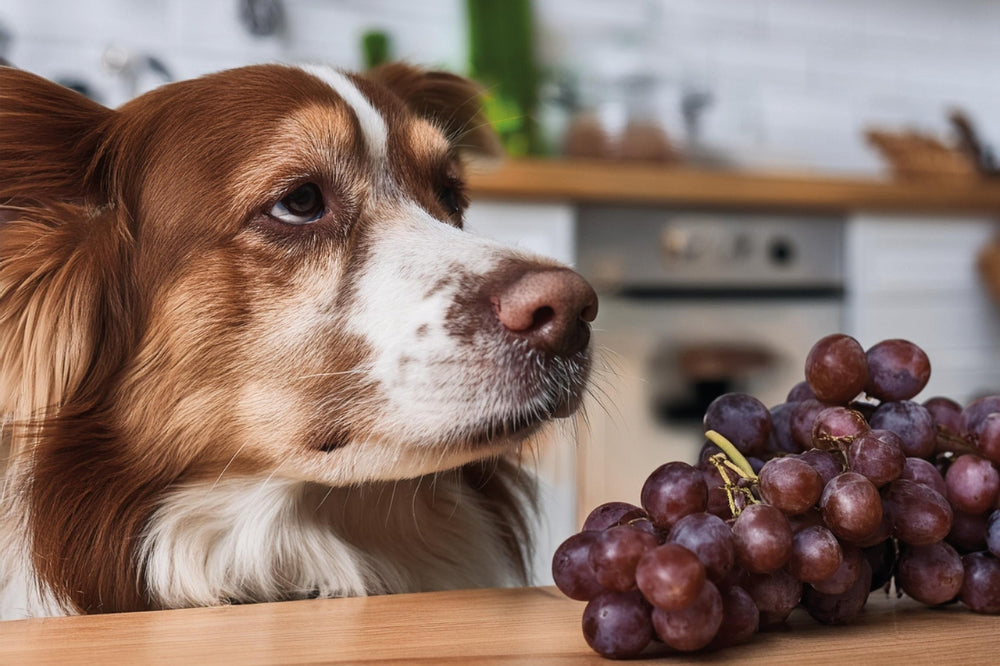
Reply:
x=371, y=121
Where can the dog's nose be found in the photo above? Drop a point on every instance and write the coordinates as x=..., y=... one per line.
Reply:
x=550, y=308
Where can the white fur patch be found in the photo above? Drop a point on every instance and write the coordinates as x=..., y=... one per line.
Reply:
x=371, y=121
x=268, y=539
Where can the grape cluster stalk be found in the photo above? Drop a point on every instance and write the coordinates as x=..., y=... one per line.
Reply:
x=847, y=488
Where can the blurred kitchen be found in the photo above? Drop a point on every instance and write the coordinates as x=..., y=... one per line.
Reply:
x=738, y=178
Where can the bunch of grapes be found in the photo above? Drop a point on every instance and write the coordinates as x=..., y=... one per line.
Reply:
x=843, y=489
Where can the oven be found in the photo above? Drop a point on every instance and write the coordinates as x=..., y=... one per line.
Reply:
x=693, y=305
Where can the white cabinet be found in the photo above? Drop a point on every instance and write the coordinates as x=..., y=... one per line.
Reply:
x=915, y=277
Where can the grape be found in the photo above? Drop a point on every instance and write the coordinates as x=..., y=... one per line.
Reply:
x=839, y=608
x=972, y=483
x=911, y=422
x=877, y=455
x=708, y=537
x=836, y=369
x=897, y=370
x=947, y=413
x=801, y=391
x=920, y=516
x=924, y=473
x=851, y=506
x=790, y=484
x=816, y=554
x=802, y=420
x=781, y=440
x=571, y=569
x=763, y=538
x=610, y=514
x=836, y=427
x=931, y=574
x=968, y=531
x=775, y=594
x=976, y=411
x=742, y=419
x=845, y=575
x=823, y=462
x=673, y=491
x=981, y=587
x=670, y=576
x=882, y=559
x=993, y=533
x=617, y=624
x=740, y=618
x=694, y=626
x=615, y=554
x=987, y=437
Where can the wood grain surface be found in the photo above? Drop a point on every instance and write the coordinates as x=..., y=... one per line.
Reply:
x=631, y=183
x=523, y=625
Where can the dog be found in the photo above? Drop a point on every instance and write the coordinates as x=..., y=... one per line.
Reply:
x=248, y=352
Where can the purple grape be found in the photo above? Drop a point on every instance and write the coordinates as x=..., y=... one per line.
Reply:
x=708, y=537
x=790, y=484
x=776, y=595
x=763, y=538
x=877, y=455
x=882, y=560
x=968, y=531
x=931, y=574
x=981, y=587
x=911, y=422
x=836, y=369
x=617, y=624
x=673, y=491
x=781, y=440
x=947, y=414
x=920, y=516
x=993, y=533
x=987, y=437
x=571, y=569
x=836, y=428
x=802, y=420
x=670, y=576
x=694, y=626
x=839, y=608
x=973, y=484
x=823, y=462
x=801, y=391
x=976, y=411
x=897, y=370
x=851, y=507
x=740, y=618
x=924, y=473
x=845, y=575
x=610, y=514
x=816, y=555
x=615, y=554
x=742, y=419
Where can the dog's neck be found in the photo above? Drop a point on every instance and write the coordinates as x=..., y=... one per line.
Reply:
x=264, y=539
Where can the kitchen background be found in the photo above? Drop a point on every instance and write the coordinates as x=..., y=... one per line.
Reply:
x=749, y=85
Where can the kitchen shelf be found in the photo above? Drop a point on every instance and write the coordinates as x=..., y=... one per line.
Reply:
x=637, y=184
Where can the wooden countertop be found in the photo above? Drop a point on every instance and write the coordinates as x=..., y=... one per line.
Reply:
x=610, y=182
x=526, y=625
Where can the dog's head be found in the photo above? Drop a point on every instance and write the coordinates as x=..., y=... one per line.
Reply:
x=265, y=270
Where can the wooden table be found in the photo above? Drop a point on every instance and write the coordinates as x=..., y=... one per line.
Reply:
x=526, y=625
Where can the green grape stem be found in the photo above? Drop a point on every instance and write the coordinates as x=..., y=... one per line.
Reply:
x=746, y=471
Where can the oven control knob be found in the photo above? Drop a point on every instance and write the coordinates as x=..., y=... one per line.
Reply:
x=781, y=252
x=681, y=245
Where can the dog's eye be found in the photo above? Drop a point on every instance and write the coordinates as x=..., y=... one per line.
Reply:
x=452, y=196
x=302, y=205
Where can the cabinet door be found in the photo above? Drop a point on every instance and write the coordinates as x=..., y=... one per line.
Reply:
x=916, y=278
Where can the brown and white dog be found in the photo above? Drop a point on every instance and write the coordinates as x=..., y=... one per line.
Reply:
x=247, y=352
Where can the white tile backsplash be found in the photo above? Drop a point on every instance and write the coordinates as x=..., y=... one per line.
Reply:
x=795, y=81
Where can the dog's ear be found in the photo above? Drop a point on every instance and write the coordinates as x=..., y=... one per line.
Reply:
x=453, y=103
x=49, y=139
